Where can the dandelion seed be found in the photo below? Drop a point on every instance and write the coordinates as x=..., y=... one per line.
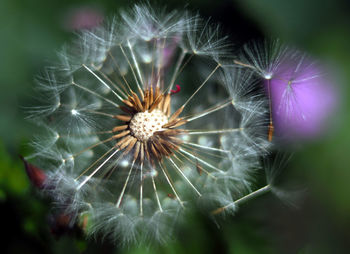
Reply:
x=303, y=98
x=301, y=95
x=133, y=153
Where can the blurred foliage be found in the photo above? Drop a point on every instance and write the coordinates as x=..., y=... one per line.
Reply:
x=13, y=179
x=31, y=31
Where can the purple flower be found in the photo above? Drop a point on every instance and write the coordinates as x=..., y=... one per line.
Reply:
x=302, y=97
x=301, y=94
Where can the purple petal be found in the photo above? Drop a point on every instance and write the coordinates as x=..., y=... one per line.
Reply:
x=302, y=99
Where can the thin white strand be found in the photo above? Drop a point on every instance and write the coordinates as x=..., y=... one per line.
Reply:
x=120, y=72
x=91, y=147
x=156, y=193
x=204, y=82
x=245, y=198
x=184, y=65
x=171, y=184
x=244, y=65
x=204, y=152
x=207, y=147
x=194, y=132
x=96, y=94
x=132, y=69
x=135, y=62
x=296, y=81
x=177, y=67
x=202, y=161
x=64, y=135
x=196, y=164
x=96, y=170
x=103, y=82
x=97, y=112
x=141, y=189
x=112, y=83
x=115, y=162
x=161, y=63
x=210, y=110
x=125, y=185
x=185, y=177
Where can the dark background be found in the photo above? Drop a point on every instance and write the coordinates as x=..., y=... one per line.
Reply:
x=32, y=30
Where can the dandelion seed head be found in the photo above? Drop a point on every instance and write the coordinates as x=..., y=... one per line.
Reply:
x=133, y=151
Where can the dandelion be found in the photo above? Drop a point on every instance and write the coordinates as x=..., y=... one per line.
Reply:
x=302, y=95
x=137, y=131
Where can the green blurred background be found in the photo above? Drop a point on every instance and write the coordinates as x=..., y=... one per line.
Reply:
x=32, y=30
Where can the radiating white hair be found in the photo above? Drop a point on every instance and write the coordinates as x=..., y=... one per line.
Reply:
x=211, y=159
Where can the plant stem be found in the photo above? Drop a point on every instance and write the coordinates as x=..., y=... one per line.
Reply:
x=243, y=199
x=252, y=195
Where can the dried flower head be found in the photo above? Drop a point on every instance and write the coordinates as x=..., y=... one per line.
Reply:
x=128, y=147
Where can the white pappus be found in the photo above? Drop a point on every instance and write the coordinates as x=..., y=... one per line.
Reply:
x=137, y=132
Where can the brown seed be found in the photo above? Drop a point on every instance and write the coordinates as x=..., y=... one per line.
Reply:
x=120, y=128
x=151, y=95
x=126, y=110
x=142, y=96
x=171, y=196
x=175, y=140
x=131, y=145
x=166, y=104
x=123, y=118
x=157, y=93
x=122, y=134
x=128, y=103
x=132, y=101
x=170, y=146
x=146, y=100
x=138, y=102
x=271, y=129
x=142, y=152
x=169, y=132
x=176, y=114
x=146, y=150
x=199, y=168
x=161, y=103
x=161, y=149
x=124, y=142
x=217, y=211
x=154, y=151
x=137, y=150
x=156, y=102
x=175, y=123
x=179, y=123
